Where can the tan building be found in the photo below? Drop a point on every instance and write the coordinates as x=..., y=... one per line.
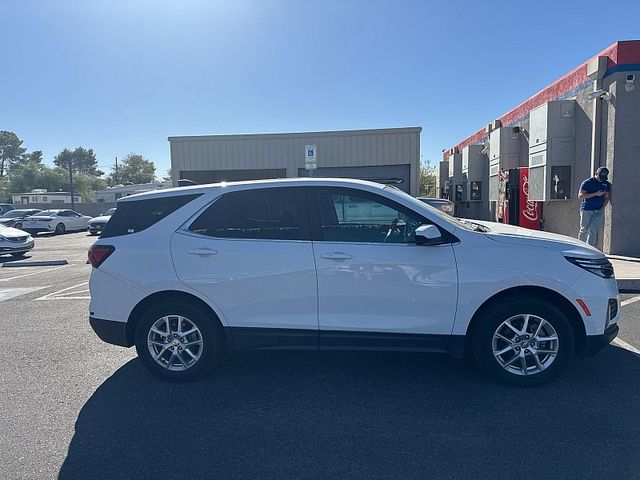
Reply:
x=389, y=155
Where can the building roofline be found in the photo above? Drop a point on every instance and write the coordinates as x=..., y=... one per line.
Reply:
x=75, y=194
x=623, y=52
x=268, y=136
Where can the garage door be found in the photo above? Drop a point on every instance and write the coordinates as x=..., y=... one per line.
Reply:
x=213, y=176
x=398, y=175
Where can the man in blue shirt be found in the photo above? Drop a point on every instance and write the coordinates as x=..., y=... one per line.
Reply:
x=594, y=195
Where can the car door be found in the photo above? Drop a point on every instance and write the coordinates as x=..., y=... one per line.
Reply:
x=375, y=285
x=68, y=218
x=79, y=221
x=250, y=253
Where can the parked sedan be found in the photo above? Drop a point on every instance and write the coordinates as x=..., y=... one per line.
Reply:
x=96, y=224
x=14, y=242
x=440, y=203
x=13, y=218
x=58, y=221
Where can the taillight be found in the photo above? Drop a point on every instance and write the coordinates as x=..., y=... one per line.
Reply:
x=99, y=253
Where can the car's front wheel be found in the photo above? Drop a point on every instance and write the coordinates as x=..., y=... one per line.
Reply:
x=60, y=228
x=523, y=342
x=178, y=342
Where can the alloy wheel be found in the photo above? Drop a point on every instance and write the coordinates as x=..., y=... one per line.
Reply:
x=175, y=342
x=525, y=344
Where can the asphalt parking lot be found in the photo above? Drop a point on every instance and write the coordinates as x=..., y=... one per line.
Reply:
x=74, y=407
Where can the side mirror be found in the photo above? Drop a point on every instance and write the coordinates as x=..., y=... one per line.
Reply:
x=428, y=235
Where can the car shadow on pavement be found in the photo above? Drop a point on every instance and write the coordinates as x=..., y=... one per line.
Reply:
x=360, y=415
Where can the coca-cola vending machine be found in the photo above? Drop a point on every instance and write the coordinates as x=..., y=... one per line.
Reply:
x=514, y=206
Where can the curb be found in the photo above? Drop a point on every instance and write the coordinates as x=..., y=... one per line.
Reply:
x=46, y=263
x=629, y=285
x=626, y=259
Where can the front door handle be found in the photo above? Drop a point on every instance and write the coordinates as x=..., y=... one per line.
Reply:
x=336, y=256
x=202, y=251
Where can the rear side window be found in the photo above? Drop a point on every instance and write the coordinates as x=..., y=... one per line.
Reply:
x=270, y=213
x=137, y=215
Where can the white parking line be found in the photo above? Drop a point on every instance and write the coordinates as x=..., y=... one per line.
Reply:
x=69, y=293
x=622, y=344
x=630, y=300
x=33, y=273
x=9, y=293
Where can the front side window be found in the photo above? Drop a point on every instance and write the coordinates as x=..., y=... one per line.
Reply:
x=269, y=214
x=351, y=216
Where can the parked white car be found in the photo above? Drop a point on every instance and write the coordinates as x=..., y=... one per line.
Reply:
x=286, y=264
x=58, y=221
x=14, y=242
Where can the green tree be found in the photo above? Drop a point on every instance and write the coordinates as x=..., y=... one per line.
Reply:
x=167, y=177
x=134, y=168
x=428, y=179
x=81, y=159
x=11, y=151
x=28, y=176
x=33, y=157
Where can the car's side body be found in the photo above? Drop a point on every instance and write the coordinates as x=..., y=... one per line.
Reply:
x=14, y=218
x=58, y=221
x=314, y=293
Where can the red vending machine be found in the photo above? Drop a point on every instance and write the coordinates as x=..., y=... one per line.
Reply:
x=514, y=206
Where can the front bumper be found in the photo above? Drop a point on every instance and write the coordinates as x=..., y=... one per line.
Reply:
x=111, y=331
x=95, y=228
x=595, y=343
x=11, y=247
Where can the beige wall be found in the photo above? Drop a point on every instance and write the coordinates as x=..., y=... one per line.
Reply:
x=353, y=148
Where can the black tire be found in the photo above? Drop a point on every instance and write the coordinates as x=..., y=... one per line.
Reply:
x=494, y=317
x=18, y=225
x=19, y=254
x=211, y=333
x=60, y=228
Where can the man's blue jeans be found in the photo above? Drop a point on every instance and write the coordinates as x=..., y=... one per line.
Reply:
x=590, y=220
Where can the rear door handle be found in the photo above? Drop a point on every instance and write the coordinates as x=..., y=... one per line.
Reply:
x=202, y=251
x=336, y=256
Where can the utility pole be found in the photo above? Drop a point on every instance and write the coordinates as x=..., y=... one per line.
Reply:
x=115, y=180
x=73, y=203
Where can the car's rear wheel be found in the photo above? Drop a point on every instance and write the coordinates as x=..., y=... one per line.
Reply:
x=178, y=342
x=523, y=342
x=60, y=228
x=18, y=225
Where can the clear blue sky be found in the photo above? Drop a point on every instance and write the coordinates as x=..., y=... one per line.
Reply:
x=122, y=76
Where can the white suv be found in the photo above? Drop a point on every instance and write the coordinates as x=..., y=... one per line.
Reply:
x=335, y=264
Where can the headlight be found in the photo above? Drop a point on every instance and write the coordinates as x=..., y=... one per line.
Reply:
x=599, y=266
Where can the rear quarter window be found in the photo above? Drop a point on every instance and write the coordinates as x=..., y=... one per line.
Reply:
x=138, y=215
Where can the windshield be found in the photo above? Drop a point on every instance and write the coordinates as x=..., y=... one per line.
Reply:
x=440, y=214
x=109, y=212
x=13, y=214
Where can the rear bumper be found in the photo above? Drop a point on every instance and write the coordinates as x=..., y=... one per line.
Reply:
x=595, y=343
x=111, y=331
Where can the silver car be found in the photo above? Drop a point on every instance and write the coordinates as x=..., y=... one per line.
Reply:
x=14, y=242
